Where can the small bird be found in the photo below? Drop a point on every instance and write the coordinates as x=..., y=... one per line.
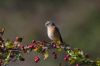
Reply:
x=53, y=33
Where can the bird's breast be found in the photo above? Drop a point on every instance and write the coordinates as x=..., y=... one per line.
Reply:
x=50, y=32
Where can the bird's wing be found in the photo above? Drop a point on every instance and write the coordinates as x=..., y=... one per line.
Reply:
x=57, y=33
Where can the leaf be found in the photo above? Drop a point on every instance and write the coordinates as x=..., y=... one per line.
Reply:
x=71, y=60
x=59, y=49
x=9, y=44
x=46, y=55
x=98, y=62
x=38, y=49
x=7, y=60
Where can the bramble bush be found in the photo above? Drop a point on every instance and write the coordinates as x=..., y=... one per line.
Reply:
x=10, y=51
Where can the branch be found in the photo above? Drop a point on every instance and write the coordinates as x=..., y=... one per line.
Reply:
x=10, y=51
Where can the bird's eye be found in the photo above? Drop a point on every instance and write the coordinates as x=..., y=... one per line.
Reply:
x=48, y=24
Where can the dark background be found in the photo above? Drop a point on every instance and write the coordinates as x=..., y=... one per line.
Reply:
x=78, y=20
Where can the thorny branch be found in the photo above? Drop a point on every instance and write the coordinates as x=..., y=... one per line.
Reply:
x=10, y=51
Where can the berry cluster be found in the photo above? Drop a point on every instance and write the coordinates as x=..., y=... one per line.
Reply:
x=10, y=51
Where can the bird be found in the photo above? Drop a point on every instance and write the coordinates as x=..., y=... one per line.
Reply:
x=53, y=33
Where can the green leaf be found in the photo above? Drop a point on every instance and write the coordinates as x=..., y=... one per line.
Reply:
x=46, y=55
x=98, y=62
x=39, y=49
x=9, y=44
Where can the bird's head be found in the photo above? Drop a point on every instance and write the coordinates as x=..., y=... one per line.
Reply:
x=49, y=23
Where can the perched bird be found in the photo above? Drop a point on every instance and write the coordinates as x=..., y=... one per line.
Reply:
x=53, y=32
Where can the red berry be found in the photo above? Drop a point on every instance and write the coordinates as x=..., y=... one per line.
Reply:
x=19, y=39
x=21, y=47
x=36, y=59
x=66, y=57
x=31, y=46
x=33, y=41
x=77, y=65
x=55, y=56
